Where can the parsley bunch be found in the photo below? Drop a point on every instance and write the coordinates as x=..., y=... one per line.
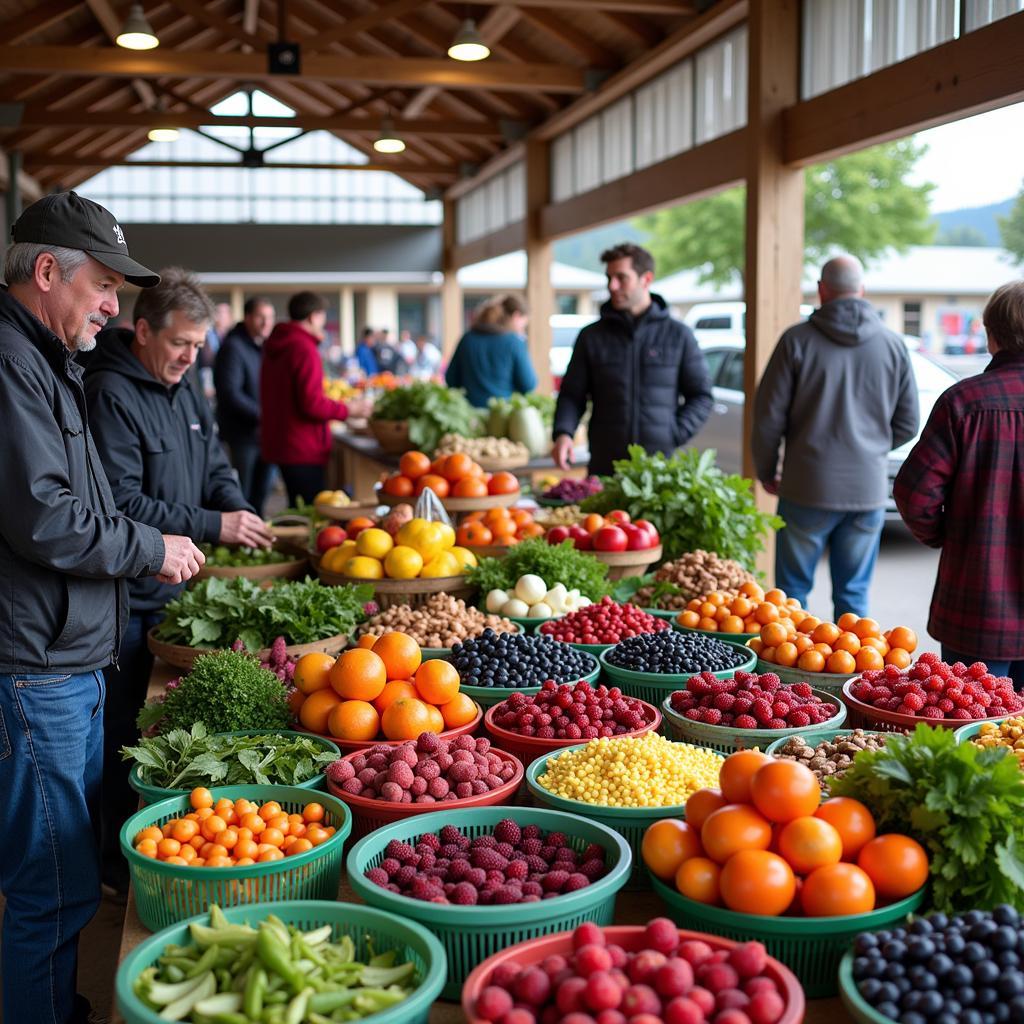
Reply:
x=964, y=804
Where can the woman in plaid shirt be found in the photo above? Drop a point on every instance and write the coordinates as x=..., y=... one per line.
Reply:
x=962, y=490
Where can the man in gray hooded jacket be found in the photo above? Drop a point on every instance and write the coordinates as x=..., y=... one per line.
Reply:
x=839, y=388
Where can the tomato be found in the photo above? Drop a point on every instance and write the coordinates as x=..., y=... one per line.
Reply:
x=456, y=467
x=438, y=484
x=646, y=526
x=809, y=843
x=784, y=790
x=398, y=486
x=701, y=804
x=897, y=865
x=617, y=516
x=836, y=890
x=557, y=534
x=733, y=828
x=414, y=465
x=610, y=538
x=736, y=772
x=503, y=483
x=852, y=820
x=697, y=878
x=580, y=538
x=330, y=537
x=757, y=882
x=667, y=844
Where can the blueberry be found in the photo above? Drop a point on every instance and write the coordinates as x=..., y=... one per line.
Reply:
x=973, y=953
x=971, y=1016
x=947, y=1016
x=986, y=996
x=1005, y=914
x=985, y=972
x=1010, y=984
x=955, y=944
x=961, y=974
x=890, y=991
x=1008, y=958
x=930, y=1003
x=1016, y=1005
x=940, y=964
x=1003, y=937
x=973, y=917
x=894, y=970
x=870, y=989
x=1001, y=1012
x=864, y=942
x=920, y=949
x=892, y=1011
x=894, y=950
x=982, y=930
x=966, y=995
x=910, y=1017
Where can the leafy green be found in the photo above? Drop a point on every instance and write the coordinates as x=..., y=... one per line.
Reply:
x=225, y=691
x=186, y=758
x=694, y=505
x=544, y=404
x=432, y=411
x=554, y=563
x=216, y=611
x=964, y=804
x=242, y=557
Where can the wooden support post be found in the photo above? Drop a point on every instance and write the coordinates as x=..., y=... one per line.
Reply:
x=540, y=293
x=775, y=205
x=346, y=321
x=451, y=293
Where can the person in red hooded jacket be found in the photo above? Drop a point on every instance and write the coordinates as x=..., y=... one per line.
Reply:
x=294, y=429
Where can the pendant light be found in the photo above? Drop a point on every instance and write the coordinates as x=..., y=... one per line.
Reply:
x=467, y=44
x=137, y=33
x=163, y=134
x=388, y=140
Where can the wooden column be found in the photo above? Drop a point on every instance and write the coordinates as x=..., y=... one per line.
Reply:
x=451, y=293
x=540, y=293
x=775, y=205
x=346, y=321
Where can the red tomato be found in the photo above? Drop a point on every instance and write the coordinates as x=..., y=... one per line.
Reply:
x=557, y=534
x=610, y=538
x=617, y=516
x=330, y=537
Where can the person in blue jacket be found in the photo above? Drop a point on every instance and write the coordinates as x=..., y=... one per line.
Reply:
x=491, y=359
x=364, y=353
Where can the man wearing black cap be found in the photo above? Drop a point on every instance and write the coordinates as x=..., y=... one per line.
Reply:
x=65, y=554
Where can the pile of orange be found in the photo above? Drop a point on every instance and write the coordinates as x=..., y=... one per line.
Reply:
x=501, y=526
x=233, y=833
x=381, y=689
x=448, y=476
x=762, y=843
x=743, y=612
x=851, y=645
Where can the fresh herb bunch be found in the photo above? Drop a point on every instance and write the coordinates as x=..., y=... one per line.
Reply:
x=221, y=556
x=965, y=805
x=693, y=504
x=186, y=758
x=554, y=563
x=432, y=411
x=225, y=691
x=217, y=611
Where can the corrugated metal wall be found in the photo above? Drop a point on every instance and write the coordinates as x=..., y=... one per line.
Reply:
x=495, y=204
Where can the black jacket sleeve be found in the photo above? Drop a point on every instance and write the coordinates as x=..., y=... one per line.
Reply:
x=40, y=517
x=575, y=390
x=229, y=379
x=694, y=389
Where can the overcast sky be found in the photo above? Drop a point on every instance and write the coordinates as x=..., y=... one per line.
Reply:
x=976, y=161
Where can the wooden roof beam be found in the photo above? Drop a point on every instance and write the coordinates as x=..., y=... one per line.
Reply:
x=575, y=39
x=104, y=13
x=35, y=19
x=48, y=160
x=677, y=7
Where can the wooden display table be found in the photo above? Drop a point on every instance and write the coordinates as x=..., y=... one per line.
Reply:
x=632, y=908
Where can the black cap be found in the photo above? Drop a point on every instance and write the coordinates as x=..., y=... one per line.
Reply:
x=67, y=219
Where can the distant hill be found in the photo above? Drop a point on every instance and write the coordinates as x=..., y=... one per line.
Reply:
x=584, y=250
x=980, y=220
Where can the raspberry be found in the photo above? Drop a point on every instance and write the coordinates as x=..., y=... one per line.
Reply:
x=724, y=701
x=402, y=852
x=463, y=895
x=712, y=716
x=506, y=894
x=554, y=881
x=489, y=860
x=803, y=690
x=914, y=701
x=777, y=723
x=449, y=834
x=577, y=880
x=745, y=722
x=961, y=714
x=518, y=869
x=378, y=876
x=762, y=711
x=798, y=718
x=945, y=705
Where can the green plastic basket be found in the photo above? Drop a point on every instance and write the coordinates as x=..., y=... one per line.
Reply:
x=664, y=613
x=167, y=893
x=726, y=738
x=831, y=681
x=811, y=947
x=471, y=934
x=630, y=822
x=151, y=794
x=488, y=696
x=856, y=1005
x=740, y=639
x=383, y=930
x=654, y=687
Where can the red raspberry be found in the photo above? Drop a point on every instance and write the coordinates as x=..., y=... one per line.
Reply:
x=745, y=722
x=798, y=718
x=913, y=701
x=961, y=714
x=945, y=705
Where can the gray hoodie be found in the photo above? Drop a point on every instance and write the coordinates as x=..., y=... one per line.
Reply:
x=839, y=389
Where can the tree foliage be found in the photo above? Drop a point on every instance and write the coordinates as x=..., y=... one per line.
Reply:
x=1011, y=229
x=861, y=203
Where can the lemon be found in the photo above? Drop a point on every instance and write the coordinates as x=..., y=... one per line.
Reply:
x=406, y=536
x=447, y=536
x=429, y=541
x=334, y=559
x=403, y=563
x=347, y=550
x=324, y=498
x=442, y=564
x=464, y=558
x=374, y=542
x=364, y=568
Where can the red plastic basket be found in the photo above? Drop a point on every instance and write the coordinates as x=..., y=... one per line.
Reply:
x=630, y=938
x=864, y=716
x=354, y=746
x=368, y=815
x=529, y=748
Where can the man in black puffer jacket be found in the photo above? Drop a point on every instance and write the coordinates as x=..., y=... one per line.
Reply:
x=642, y=370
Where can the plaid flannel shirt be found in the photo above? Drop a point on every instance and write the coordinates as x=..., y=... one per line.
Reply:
x=961, y=489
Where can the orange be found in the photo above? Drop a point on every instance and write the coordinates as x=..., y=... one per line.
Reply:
x=503, y=530
x=774, y=634
x=752, y=590
x=405, y=719
x=438, y=484
x=295, y=700
x=732, y=624
x=899, y=657
x=503, y=483
x=460, y=710
x=299, y=846
x=437, y=681
x=398, y=486
x=757, y=882
x=811, y=661
x=868, y=659
x=316, y=708
x=666, y=844
x=784, y=790
x=841, y=663
x=802, y=643
x=168, y=848
x=391, y=692
x=400, y=654
x=151, y=833
x=697, y=878
x=200, y=797
x=741, y=606
x=766, y=612
x=701, y=804
x=733, y=828
x=866, y=627
x=456, y=466
x=852, y=820
x=359, y=675
x=775, y=596
x=808, y=624
x=836, y=890
x=735, y=774
x=809, y=843
x=825, y=633
x=880, y=645
x=903, y=638
x=473, y=535
x=354, y=720
x=414, y=465
x=357, y=525
x=688, y=619
x=469, y=487
x=786, y=654
x=366, y=641
x=849, y=642
x=185, y=830
x=847, y=620
x=313, y=672
x=897, y=865
x=824, y=650
x=756, y=644
x=436, y=718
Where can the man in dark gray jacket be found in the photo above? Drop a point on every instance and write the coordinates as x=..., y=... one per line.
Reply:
x=167, y=468
x=839, y=390
x=65, y=551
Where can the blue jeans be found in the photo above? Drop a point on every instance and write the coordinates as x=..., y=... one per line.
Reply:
x=852, y=539
x=1013, y=669
x=51, y=759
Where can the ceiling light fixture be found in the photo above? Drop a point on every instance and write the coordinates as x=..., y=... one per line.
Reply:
x=388, y=140
x=137, y=33
x=467, y=44
x=163, y=134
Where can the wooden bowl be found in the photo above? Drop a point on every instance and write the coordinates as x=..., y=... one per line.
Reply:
x=294, y=569
x=461, y=504
x=392, y=435
x=181, y=656
x=411, y=592
x=343, y=513
x=290, y=528
x=627, y=563
x=490, y=550
x=502, y=465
